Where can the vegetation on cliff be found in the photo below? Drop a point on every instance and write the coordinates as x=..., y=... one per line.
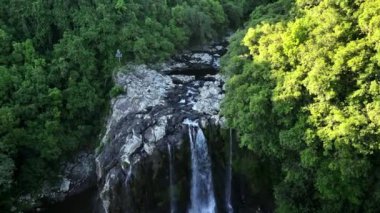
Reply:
x=303, y=90
x=304, y=93
x=56, y=59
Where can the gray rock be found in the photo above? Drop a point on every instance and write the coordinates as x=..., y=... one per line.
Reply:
x=132, y=142
x=170, y=66
x=201, y=58
x=151, y=112
x=156, y=132
x=149, y=148
x=65, y=185
x=183, y=78
x=209, y=98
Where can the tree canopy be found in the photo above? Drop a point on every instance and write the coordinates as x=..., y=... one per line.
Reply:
x=304, y=92
x=56, y=62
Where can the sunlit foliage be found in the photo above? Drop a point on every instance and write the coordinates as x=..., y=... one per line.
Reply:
x=304, y=91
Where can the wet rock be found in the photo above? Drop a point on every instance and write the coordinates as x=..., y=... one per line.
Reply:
x=132, y=142
x=149, y=148
x=150, y=114
x=201, y=58
x=182, y=78
x=209, y=98
x=65, y=185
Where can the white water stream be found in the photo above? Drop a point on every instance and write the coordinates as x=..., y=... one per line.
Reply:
x=171, y=180
x=202, y=191
x=229, y=207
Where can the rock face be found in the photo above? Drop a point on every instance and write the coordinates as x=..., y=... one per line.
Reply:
x=150, y=113
x=77, y=175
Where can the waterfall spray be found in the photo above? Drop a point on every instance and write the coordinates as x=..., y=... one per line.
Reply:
x=229, y=207
x=129, y=175
x=171, y=180
x=201, y=192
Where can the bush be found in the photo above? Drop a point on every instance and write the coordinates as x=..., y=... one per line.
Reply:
x=116, y=90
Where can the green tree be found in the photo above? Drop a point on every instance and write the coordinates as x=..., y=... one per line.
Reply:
x=56, y=62
x=304, y=92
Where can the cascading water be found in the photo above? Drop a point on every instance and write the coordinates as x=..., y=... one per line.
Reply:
x=171, y=180
x=229, y=207
x=202, y=192
x=129, y=175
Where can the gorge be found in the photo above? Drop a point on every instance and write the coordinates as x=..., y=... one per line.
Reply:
x=141, y=106
x=154, y=156
x=149, y=116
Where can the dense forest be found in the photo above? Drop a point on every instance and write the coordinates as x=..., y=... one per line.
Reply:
x=56, y=64
x=303, y=90
x=304, y=94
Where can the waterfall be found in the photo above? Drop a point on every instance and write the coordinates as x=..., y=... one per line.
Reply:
x=129, y=175
x=201, y=192
x=229, y=207
x=171, y=180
